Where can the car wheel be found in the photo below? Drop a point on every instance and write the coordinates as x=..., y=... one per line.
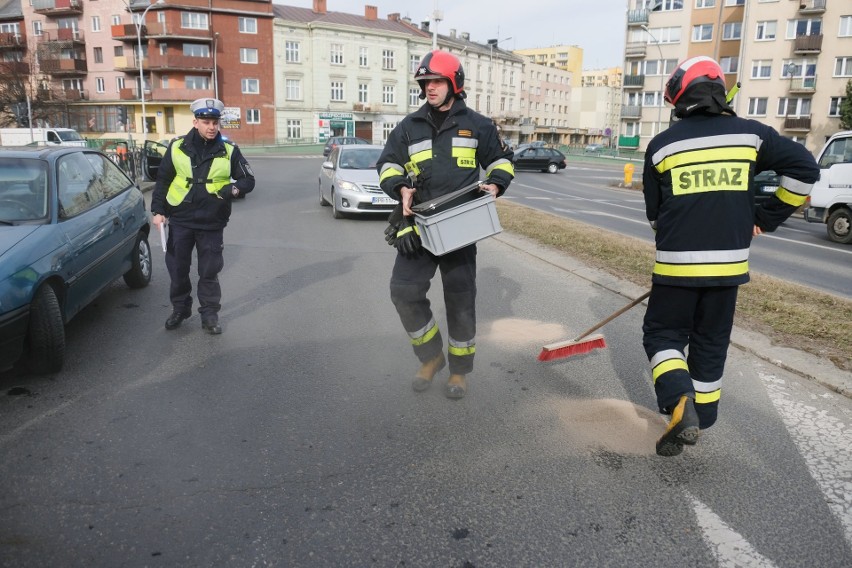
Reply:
x=552, y=168
x=335, y=212
x=140, y=271
x=46, y=333
x=323, y=202
x=840, y=226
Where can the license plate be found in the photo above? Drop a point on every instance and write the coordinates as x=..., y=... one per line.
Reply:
x=384, y=201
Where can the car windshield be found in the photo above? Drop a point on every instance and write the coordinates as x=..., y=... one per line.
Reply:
x=359, y=158
x=23, y=189
x=69, y=135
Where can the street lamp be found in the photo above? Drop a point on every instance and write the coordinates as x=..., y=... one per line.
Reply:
x=139, y=23
x=492, y=43
x=662, y=78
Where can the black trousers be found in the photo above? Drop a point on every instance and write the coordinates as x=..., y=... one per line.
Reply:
x=686, y=336
x=411, y=280
x=209, y=246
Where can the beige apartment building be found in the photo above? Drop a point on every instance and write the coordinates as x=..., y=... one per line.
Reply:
x=792, y=58
x=566, y=57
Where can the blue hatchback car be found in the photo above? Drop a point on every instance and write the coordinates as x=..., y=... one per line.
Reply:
x=71, y=222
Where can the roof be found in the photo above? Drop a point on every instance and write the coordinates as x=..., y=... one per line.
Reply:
x=307, y=15
x=11, y=10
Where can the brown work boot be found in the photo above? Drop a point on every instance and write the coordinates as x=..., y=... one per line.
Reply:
x=683, y=428
x=456, y=387
x=427, y=371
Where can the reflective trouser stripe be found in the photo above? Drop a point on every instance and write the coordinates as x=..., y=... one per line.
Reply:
x=707, y=397
x=424, y=334
x=666, y=361
x=461, y=348
x=701, y=270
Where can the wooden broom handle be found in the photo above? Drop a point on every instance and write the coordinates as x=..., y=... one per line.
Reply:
x=614, y=315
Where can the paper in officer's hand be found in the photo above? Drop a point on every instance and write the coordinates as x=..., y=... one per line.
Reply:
x=163, y=235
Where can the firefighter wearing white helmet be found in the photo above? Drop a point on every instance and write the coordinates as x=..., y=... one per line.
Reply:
x=699, y=199
x=433, y=151
x=199, y=176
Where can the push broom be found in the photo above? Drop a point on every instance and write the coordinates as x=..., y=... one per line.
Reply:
x=584, y=342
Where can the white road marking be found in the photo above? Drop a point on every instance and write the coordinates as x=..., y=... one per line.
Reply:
x=729, y=546
x=827, y=444
x=602, y=214
x=831, y=249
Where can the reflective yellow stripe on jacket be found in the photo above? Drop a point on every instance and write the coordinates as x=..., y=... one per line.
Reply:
x=218, y=177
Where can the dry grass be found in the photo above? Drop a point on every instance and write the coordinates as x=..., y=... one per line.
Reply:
x=790, y=315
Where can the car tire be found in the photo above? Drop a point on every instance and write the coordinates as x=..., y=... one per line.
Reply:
x=840, y=226
x=46, y=333
x=335, y=212
x=552, y=168
x=141, y=267
x=323, y=202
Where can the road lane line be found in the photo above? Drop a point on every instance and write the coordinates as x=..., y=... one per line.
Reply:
x=729, y=546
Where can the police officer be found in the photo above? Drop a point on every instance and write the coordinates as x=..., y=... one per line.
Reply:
x=699, y=198
x=435, y=150
x=194, y=192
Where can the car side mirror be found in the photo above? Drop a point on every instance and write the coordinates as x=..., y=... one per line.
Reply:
x=328, y=165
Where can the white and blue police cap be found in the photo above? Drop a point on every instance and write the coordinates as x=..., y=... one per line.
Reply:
x=207, y=108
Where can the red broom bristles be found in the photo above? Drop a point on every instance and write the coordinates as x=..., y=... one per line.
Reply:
x=565, y=349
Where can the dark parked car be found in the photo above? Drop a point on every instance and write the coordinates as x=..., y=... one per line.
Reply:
x=765, y=184
x=336, y=141
x=71, y=222
x=542, y=159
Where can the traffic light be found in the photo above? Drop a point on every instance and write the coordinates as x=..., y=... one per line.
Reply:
x=122, y=116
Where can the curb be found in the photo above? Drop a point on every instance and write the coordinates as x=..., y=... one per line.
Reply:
x=804, y=364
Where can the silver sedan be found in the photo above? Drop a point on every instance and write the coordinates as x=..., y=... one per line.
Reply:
x=349, y=182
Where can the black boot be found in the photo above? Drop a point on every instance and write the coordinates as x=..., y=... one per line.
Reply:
x=211, y=326
x=175, y=319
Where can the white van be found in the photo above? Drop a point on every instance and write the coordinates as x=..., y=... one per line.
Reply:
x=40, y=137
x=831, y=196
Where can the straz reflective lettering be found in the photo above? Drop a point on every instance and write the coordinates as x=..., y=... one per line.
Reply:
x=466, y=162
x=709, y=177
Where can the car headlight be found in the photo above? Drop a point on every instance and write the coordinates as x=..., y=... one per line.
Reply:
x=348, y=186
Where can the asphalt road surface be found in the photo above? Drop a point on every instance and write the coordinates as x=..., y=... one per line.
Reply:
x=294, y=439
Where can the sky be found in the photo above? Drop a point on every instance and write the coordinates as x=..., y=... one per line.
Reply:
x=596, y=26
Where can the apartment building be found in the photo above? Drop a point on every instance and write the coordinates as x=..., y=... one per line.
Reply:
x=776, y=50
x=609, y=77
x=85, y=59
x=566, y=57
x=545, y=104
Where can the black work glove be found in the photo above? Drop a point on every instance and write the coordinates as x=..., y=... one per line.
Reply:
x=394, y=221
x=408, y=237
x=390, y=235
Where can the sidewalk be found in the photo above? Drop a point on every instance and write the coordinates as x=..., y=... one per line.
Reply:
x=799, y=362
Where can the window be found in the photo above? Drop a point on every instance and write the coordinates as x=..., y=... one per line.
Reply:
x=757, y=106
x=388, y=59
x=388, y=94
x=96, y=23
x=730, y=64
x=164, y=48
x=164, y=81
x=705, y=3
x=834, y=106
x=413, y=63
x=387, y=128
x=363, y=93
x=248, y=55
x=733, y=30
x=37, y=29
x=336, y=54
x=797, y=28
x=115, y=20
x=294, y=89
x=734, y=2
x=337, y=91
x=294, y=129
x=197, y=82
x=845, y=26
x=414, y=96
x=291, y=52
x=766, y=31
x=76, y=193
x=193, y=20
x=247, y=25
x=761, y=69
x=663, y=5
x=119, y=84
x=804, y=67
x=702, y=32
x=196, y=50
x=100, y=86
x=110, y=181
x=250, y=86
x=363, y=56
x=252, y=116
x=789, y=106
x=98, y=52
x=843, y=67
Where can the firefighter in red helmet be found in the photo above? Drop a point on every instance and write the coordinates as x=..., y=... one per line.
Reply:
x=433, y=151
x=699, y=199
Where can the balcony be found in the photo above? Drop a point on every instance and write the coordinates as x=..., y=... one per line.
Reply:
x=175, y=62
x=628, y=141
x=803, y=45
x=631, y=112
x=637, y=17
x=12, y=41
x=58, y=8
x=125, y=32
x=179, y=95
x=635, y=50
x=802, y=85
x=634, y=81
x=129, y=63
x=14, y=68
x=64, y=66
x=797, y=123
x=811, y=6
x=62, y=36
x=166, y=30
x=76, y=95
